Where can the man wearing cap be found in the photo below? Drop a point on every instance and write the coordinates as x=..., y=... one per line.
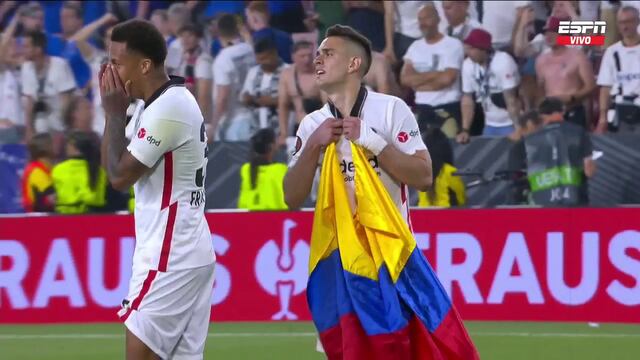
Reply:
x=492, y=77
x=565, y=73
x=558, y=159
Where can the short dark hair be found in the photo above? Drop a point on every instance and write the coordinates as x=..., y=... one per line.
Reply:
x=354, y=36
x=264, y=45
x=531, y=115
x=192, y=28
x=141, y=36
x=77, y=8
x=551, y=105
x=302, y=44
x=38, y=39
x=39, y=146
x=227, y=25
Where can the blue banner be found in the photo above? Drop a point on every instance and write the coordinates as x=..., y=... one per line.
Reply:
x=13, y=159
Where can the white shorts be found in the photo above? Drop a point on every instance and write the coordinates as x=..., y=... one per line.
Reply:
x=169, y=311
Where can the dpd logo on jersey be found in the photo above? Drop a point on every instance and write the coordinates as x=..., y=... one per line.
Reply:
x=153, y=141
x=141, y=133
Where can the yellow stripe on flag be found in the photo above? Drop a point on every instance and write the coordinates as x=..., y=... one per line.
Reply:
x=375, y=235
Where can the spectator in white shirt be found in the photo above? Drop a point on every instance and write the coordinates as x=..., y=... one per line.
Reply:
x=178, y=15
x=499, y=18
x=260, y=91
x=230, y=69
x=11, y=113
x=619, y=77
x=432, y=68
x=47, y=84
x=190, y=36
x=457, y=15
x=204, y=83
x=401, y=28
x=492, y=77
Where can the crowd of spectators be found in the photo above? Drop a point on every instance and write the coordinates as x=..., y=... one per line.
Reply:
x=467, y=68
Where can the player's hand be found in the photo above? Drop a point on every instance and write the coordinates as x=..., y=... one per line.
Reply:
x=115, y=95
x=351, y=126
x=328, y=132
x=358, y=132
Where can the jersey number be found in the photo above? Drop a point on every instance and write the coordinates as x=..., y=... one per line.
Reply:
x=200, y=172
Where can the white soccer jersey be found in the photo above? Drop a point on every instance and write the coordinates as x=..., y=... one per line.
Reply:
x=171, y=230
x=391, y=118
x=503, y=75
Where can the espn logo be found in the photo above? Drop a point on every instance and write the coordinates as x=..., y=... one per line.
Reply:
x=581, y=33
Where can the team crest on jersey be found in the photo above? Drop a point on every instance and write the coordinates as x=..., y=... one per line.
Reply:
x=141, y=133
x=298, y=145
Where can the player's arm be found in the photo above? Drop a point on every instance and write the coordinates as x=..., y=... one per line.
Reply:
x=413, y=170
x=302, y=169
x=405, y=157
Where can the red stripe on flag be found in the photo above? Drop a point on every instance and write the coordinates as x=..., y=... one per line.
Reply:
x=168, y=236
x=450, y=341
x=587, y=40
x=168, y=180
x=405, y=203
x=146, y=285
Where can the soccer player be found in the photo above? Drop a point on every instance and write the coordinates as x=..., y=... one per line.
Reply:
x=382, y=124
x=166, y=312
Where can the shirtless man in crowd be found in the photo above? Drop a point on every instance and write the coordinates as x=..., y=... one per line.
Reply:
x=380, y=77
x=298, y=86
x=565, y=73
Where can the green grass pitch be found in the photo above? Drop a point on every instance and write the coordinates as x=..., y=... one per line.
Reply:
x=296, y=340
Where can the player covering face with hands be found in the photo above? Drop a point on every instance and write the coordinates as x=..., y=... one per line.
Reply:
x=167, y=309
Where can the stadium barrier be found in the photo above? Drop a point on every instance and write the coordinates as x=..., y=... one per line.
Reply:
x=499, y=264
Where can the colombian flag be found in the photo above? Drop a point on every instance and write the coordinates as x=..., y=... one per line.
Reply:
x=371, y=292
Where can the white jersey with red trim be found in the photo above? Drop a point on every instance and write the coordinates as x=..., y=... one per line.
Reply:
x=169, y=138
x=389, y=117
